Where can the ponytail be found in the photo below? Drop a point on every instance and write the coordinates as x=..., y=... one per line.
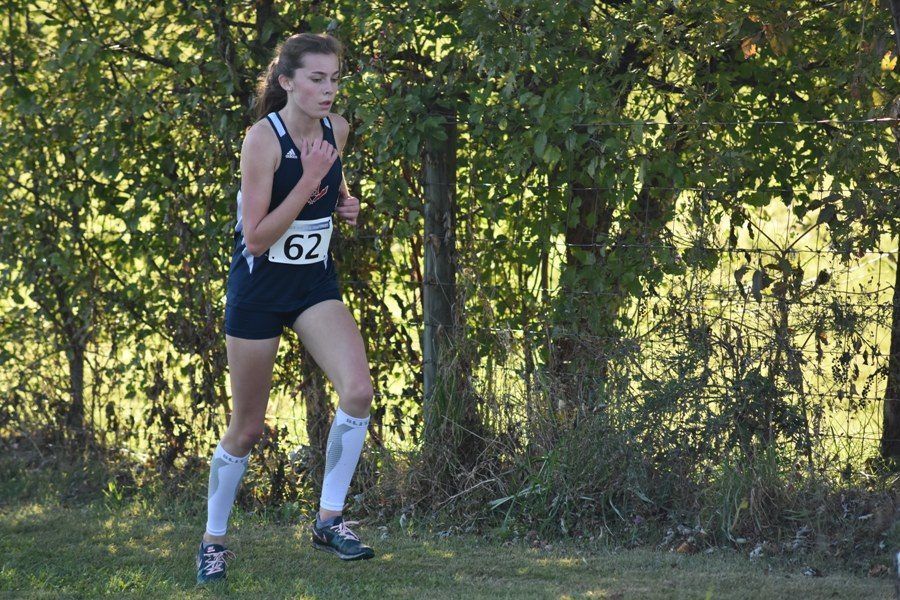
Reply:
x=270, y=96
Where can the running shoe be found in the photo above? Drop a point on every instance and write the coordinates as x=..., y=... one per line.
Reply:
x=339, y=539
x=211, y=560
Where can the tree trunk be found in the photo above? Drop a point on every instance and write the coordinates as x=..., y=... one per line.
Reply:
x=588, y=235
x=439, y=289
x=75, y=413
x=890, y=434
x=895, y=13
x=73, y=337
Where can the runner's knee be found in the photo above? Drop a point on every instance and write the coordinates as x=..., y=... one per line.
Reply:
x=245, y=438
x=357, y=396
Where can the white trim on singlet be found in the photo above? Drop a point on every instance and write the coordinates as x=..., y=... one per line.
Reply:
x=276, y=121
x=240, y=229
x=327, y=122
x=249, y=258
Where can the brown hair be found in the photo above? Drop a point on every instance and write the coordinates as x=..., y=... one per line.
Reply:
x=288, y=57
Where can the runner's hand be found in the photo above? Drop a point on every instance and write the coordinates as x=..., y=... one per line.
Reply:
x=348, y=208
x=317, y=156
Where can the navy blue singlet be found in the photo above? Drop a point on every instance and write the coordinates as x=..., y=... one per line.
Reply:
x=258, y=283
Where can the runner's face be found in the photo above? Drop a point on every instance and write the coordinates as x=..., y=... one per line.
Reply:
x=315, y=84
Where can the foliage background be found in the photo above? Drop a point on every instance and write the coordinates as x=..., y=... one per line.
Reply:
x=675, y=238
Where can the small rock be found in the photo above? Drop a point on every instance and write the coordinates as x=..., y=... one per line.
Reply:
x=812, y=572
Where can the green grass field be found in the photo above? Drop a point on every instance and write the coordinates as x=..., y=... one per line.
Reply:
x=87, y=548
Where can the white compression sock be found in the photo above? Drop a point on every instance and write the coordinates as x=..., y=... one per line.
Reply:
x=345, y=443
x=225, y=474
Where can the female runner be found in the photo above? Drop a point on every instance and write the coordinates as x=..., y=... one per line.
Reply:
x=282, y=276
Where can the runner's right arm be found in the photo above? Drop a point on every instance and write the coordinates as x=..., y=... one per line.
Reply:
x=260, y=154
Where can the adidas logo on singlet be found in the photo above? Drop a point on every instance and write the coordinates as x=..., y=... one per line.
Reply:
x=291, y=154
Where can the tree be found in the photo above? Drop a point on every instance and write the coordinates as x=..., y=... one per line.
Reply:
x=62, y=176
x=627, y=109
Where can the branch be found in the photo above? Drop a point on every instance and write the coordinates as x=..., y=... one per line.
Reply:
x=140, y=54
x=895, y=13
x=238, y=23
x=665, y=85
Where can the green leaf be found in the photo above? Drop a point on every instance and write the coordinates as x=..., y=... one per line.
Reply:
x=552, y=154
x=761, y=281
x=540, y=144
x=827, y=214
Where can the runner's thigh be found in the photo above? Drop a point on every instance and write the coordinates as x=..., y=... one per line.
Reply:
x=329, y=333
x=250, y=363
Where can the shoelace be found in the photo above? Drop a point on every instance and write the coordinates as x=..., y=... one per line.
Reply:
x=343, y=528
x=216, y=561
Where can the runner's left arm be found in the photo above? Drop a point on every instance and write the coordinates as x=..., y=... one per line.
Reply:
x=348, y=205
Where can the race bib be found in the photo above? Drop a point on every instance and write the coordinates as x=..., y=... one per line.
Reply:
x=304, y=243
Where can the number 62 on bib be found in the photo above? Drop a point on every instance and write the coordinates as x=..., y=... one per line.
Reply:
x=304, y=243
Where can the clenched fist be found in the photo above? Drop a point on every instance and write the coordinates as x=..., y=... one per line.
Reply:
x=348, y=207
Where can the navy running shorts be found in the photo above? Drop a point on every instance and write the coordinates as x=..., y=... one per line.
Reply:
x=254, y=324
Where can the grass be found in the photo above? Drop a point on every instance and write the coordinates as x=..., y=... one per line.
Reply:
x=55, y=546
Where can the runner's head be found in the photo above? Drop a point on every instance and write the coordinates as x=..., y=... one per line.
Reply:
x=305, y=67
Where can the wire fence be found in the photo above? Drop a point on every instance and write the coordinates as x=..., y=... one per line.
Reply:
x=771, y=303
x=829, y=324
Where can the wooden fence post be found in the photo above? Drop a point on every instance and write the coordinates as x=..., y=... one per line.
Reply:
x=439, y=289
